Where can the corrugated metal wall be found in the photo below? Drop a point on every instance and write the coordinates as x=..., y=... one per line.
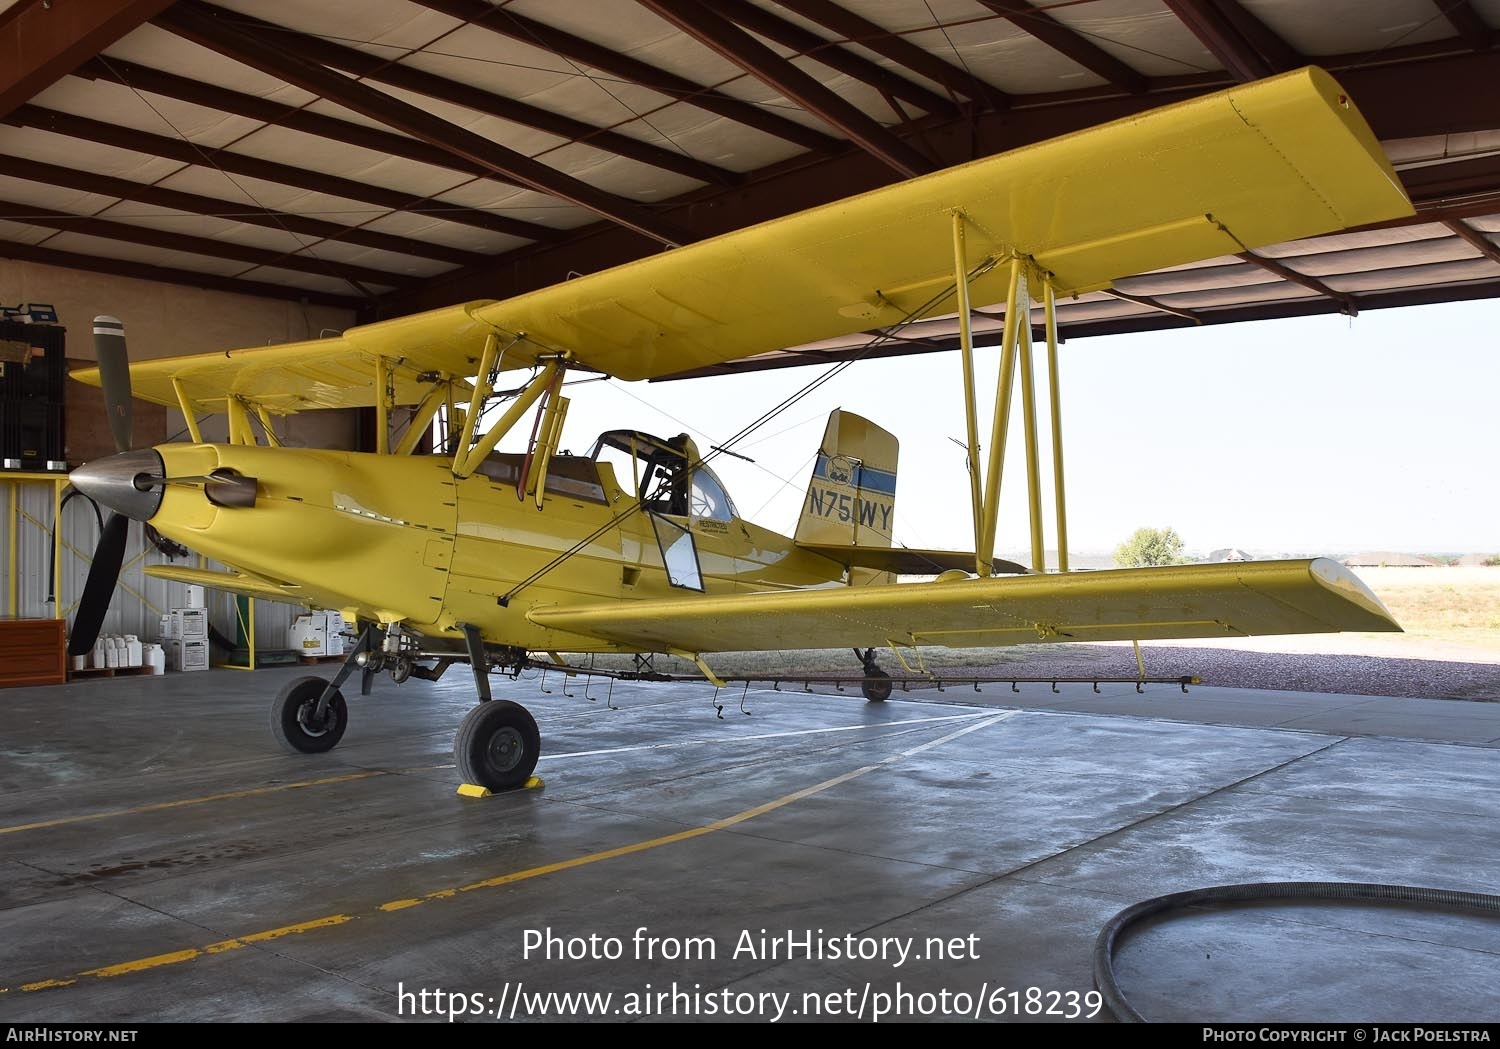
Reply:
x=26, y=511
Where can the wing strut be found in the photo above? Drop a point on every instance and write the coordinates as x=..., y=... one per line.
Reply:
x=465, y=459
x=1016, y=350
x=189, y=411
x=1053, y=385
x=966, y=336
x=1017, y=304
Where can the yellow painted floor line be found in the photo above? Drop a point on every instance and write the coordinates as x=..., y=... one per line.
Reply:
x=158, y=961
x=163, y=805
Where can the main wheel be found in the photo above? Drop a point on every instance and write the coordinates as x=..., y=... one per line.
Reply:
x=876, y=686
x=293, y=722
x=497, y=745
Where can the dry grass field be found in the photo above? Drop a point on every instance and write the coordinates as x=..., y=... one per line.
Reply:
x=1448, y=605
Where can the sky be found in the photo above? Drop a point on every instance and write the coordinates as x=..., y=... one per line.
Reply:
x=1303, y=436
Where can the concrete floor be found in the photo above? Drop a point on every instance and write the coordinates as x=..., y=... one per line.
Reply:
x=161, y=860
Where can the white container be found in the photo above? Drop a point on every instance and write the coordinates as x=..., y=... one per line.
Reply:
x=154, y=657
x=184, y=654
x=195, y=596
x=80, y=662
x=98, y=657
x=111, y=652
x=191, y=623
x=335, y=643
x=309, y=635
x=132, y=651
x=167, y=625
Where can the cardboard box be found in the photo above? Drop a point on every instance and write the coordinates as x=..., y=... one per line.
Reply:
x=190, y=624
x=186, y=655
x=309, y=635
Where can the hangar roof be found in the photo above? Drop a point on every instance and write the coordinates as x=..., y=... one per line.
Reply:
x=396, y=155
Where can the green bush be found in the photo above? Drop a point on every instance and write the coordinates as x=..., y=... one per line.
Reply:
x=1150, y=547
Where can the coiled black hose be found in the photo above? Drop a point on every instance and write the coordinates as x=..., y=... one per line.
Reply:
x=1109, y=936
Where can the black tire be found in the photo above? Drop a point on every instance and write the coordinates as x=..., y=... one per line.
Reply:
x=291, y=715
x=498, y=745
x=876, y=686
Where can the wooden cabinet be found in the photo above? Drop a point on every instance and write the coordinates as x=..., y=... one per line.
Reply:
x=33, y=652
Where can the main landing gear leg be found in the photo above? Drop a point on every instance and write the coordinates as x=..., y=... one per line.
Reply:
x=479, y=663
x=498, y=743
x=877, y=683
x=309, y=715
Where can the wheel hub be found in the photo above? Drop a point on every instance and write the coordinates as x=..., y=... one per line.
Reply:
x=307, y=717
x=506, y=749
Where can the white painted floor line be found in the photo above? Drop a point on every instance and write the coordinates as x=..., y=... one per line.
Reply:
x=768, y=735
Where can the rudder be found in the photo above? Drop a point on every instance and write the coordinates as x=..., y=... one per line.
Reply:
x=851, y=497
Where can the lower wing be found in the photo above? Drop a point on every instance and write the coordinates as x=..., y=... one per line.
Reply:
x=1134, y=604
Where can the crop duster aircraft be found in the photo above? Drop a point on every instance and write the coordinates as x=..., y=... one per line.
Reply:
x=487, y=558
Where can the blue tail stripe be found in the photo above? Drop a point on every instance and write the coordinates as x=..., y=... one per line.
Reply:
x=868, y=478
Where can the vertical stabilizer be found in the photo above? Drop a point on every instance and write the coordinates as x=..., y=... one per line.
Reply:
x=851, y=498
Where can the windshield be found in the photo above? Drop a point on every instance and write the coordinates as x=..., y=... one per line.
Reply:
x=664, y=475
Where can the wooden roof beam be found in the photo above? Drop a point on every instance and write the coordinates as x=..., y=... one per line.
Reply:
x=193, y=203
x=1243, y=43
x=74, y=260
x=44, y=42
x=1069, y=43
x=1476, y=240
x=755, y=58
x=409, y=78
x=150, y=236
x=587, y=53
x=900, y=50
x=1346, y=302
x=185, y=152
x=215, y=29
x=825, y=52
x=1471, y=28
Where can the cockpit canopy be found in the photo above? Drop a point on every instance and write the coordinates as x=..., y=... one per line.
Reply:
x=666, y=475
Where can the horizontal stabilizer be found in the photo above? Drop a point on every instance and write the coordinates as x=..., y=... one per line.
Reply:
x=904, y=560
x=1131, y=604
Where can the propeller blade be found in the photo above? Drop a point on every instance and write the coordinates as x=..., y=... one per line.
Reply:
x=114, y=375
x=103, y=574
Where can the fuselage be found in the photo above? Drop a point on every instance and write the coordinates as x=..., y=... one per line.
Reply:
x=400, y=539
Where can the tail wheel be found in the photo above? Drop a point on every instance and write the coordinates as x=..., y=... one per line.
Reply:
x=294, y=720
x=498, y=745
x=876, y=686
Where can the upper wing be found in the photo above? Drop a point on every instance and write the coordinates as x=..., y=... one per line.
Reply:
x=337, y=372
x=1133, y=604
x=1276, y=160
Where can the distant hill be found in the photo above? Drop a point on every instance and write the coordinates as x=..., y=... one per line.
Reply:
x=1388, y=559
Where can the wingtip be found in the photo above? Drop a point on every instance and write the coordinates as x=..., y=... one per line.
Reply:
x=1342, y=581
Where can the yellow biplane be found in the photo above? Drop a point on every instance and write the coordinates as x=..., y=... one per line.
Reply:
x=470, y=555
